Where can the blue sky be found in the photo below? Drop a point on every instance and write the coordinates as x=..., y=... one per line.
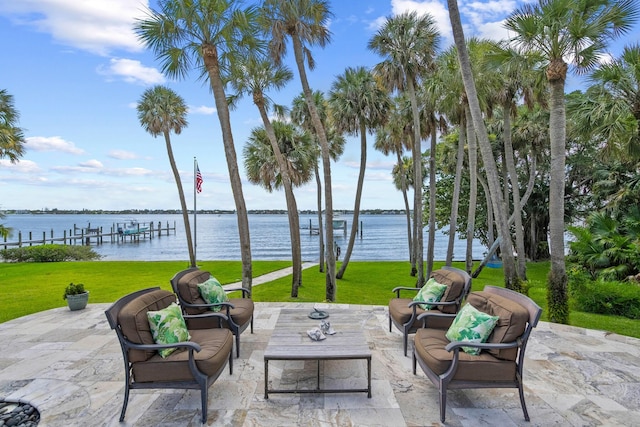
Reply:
x=76, y=71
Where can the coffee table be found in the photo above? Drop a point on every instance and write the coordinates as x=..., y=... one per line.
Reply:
x=290, y=341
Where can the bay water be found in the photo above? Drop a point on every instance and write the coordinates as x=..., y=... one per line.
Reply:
x=380, y=237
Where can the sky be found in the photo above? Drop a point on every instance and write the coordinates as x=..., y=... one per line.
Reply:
x=76, y=71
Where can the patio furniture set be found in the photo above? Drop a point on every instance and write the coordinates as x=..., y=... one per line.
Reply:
x=446, y=345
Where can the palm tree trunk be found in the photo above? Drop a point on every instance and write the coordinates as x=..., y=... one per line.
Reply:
x=292, y=208
x=407, y=209
x=557, y=297
x=210, y=56
x=320, y=227
x=326, y=165
x=432, y=197
x=521, y=269
x=473, y=187
x=418, y=241
x=356, y=205
x=183, y=202
x=455, y=200
x=486, y=151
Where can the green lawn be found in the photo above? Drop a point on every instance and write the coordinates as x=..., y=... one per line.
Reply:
x=32, y=287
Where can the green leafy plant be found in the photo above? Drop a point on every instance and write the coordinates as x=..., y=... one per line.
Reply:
x=49, y=253
x=74, y=289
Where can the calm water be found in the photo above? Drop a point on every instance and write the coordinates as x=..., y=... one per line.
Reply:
x=384, y=237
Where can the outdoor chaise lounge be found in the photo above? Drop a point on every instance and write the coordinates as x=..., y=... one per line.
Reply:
x=195, y=365
x=499, y=363
x=239, y=311
x=404, y=312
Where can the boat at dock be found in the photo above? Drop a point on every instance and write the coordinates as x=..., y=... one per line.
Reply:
x=132, y=227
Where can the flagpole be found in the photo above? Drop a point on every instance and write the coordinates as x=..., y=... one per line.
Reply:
x=195, y=220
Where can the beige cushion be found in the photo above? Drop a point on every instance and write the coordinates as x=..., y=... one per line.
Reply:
x=400, y=311
x=511, y=324
x=455, y=285
x=241, y=314
x=430, y=347
x=135, y=324
x=216, y=345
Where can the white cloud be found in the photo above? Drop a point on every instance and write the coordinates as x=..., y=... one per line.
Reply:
x=21, y=166
x=131, y=71
x=122, y=155
x=97, y=26
x=202, y=109
x=93, y=164
x=435, y=8
x=52, y=143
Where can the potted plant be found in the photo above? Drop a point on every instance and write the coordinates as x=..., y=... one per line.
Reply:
x=76, y=296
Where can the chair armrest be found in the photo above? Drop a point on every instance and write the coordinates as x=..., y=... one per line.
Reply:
x=246, y=293
x=219, y=304
x=186, y=344
x=482, y=345
x=404, y=288
x=424, y=317
x=208, y=315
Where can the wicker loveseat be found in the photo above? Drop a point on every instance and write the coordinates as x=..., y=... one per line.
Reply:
x=197, y=363
x=404, y=312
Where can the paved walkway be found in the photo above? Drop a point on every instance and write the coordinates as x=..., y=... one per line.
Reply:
x=69, y=365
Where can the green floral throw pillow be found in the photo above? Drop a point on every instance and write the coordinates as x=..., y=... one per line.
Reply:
x=432, y=291
x=213, y=293
x=168, y=327
x=471, y=325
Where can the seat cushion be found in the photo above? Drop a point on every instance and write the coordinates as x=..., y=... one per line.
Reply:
x=400, y=312
x=511, y=324
x=455, y=285
x=430, y=347
x=135, y=324
x=216, y=345
x=241, y=314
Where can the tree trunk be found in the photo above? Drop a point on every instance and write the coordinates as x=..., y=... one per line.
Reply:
x=515, y=192
x=326, y=165
x=455, y=201
x=292, y=208
x=320, y=227
x=432, y=197
x=407, y=209
x=210, y=56
x=557, y=297
x=473, y=187
x=356, y=206
x=183, y=202
x=418, y=241
x=489, y=162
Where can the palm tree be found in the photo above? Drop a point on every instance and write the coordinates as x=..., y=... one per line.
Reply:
x=491, y=169
x=255, y=75
x=11, y=136
x=408, y=42
x=305, y=23
x=358, y=105
x=556, y=30
x=208, y=36
x=300, y=116
x=161, y=111
x=297, y=152
x=394, y=137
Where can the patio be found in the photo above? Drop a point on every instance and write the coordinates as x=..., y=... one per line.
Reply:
x=69, y=366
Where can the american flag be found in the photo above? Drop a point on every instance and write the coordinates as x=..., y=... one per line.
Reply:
x=198, y=180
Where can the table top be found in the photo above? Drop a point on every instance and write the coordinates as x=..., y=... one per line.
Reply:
x=290, y=341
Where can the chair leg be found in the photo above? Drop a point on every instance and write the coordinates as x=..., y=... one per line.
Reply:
x=389, y=323
x=405, y=343
x=252, y=324
x=524, y=405
x=204, y=397
x=126, y=401
x=237, y=343
x=442, y=393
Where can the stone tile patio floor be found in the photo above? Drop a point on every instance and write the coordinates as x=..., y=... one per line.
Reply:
x=69, y=365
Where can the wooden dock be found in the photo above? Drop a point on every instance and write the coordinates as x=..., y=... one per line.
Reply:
x=117, y=233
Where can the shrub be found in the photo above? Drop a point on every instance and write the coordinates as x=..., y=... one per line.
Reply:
x=73, y=289
x=602, y=297
x=49, y=253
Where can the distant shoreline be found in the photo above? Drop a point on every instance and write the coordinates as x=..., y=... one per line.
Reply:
x=178, y=212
